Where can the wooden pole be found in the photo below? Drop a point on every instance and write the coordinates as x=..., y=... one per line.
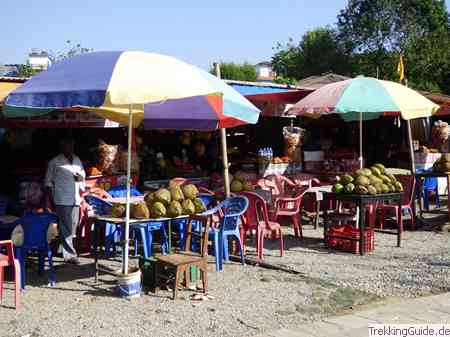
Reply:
x=410, y=141
x=411, y=147
x=223, y=138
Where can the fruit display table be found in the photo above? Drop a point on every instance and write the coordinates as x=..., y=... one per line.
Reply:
x=361, y=201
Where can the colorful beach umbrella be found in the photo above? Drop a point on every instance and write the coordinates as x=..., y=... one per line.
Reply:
x=366, y=95
x=107, y=82
x=130, y=87
x=365, y=98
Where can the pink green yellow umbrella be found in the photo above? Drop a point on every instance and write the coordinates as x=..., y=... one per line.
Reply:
x=365, y=98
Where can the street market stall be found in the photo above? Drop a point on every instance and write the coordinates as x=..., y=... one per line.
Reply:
x=135, y=87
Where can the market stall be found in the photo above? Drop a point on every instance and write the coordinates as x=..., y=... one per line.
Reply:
x=160, y=91
x=34, y=140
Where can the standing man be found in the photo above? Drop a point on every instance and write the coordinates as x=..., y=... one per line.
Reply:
x=64, y=181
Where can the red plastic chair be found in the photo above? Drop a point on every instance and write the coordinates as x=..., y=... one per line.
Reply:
x=291, y=207
x=257, y=218
x=409, y=183
x=9, y=260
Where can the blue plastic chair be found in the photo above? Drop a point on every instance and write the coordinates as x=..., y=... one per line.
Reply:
x=112, y=231
x=137, y=230
x=2, y=206
x=145, y=231
x=179, y=225
x=121, y=192
x=430, y=184
x=233, y=208
x=35, y=226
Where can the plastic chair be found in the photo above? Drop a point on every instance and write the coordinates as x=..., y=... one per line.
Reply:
x=430, y=184
x=409, y=183
x=233, y=209
x=8, y=260
x=145, y=232
x=179, y=225
x=279, y=185
x=257, y=218
x=2, y=206
x=178, y=181
x=35, y=226
x=290, y=207
x=121, y=192
x=112, y=231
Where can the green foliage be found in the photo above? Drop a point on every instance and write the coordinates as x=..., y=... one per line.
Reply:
x=285, y=80
x=318, y=52
x=237, y=72
x=371, y=25
x=25, y=70
x=375, y=32
x=71, y=50
x=368, y=39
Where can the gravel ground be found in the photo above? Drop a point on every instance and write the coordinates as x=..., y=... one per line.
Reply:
x=247, y=300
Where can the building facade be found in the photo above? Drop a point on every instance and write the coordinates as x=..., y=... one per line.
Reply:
x=38, y=59
x=265, y=72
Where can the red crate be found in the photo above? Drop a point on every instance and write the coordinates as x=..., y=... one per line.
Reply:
x=347, y=231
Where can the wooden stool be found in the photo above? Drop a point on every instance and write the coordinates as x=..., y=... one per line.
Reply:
x=183, y=260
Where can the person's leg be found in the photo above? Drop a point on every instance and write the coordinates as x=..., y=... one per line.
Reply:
x=65, y=216
x=75, y=223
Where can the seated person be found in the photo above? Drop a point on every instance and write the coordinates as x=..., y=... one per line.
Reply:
x=199, y=159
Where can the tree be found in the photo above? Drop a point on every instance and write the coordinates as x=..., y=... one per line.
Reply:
x=25, y=70
x=72, y=50
x=371, y=25
x=318, y=52
x=376, y=32
x=238, y=72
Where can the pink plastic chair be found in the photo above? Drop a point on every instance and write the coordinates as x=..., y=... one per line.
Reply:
x=279, y=185
x=8, y=260
x=291, y=207
x=409, y=184
x=257, y=218
x=178, y=181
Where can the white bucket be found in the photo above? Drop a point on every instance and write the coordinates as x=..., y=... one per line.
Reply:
x=129, y=285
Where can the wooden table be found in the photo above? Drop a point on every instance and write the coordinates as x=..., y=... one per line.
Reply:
x=361, y=201
x=424, y=175
x=318, y=191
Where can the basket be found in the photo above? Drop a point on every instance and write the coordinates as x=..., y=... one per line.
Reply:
x=337, y=239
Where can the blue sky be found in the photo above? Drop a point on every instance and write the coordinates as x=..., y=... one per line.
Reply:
x=196, y=31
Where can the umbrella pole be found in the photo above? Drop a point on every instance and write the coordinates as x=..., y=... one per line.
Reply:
x=127, y=209
x=223, y=136
x=411, y=147
x=361, y=164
